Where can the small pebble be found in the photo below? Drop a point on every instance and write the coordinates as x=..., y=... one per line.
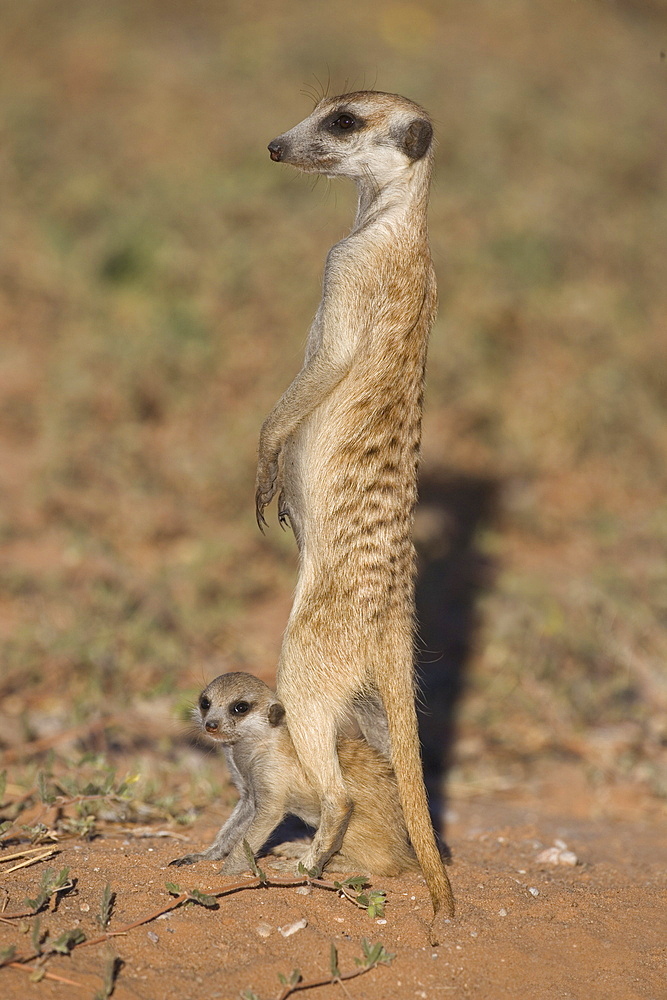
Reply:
x=264, y=930
x=84, y=907
x=290, y=929
x=557, y=855
x=533, y=891
x=152, y=936
x=304, y=890
x=380, y=920
x=502, y=912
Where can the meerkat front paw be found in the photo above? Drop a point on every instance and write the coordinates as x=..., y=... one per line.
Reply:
x=266, y=486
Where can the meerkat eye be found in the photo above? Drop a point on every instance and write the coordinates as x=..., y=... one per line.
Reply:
x=204, y=703
x=239, y=708
x=344, y=122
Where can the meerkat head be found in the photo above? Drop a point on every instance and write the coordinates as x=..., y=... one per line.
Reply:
x=358, y=135
x=235, y=706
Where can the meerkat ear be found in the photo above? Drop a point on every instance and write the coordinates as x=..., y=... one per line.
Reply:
x=276, y=713
x=416, y=139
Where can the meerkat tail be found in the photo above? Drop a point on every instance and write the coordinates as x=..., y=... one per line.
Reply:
x=406, y=760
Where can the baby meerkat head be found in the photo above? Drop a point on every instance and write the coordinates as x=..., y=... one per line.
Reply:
x=357, y=134
x=238, y=706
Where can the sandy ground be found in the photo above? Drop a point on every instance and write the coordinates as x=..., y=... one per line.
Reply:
x=524, y=928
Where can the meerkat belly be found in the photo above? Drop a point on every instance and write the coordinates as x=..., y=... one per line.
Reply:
x=352, y=482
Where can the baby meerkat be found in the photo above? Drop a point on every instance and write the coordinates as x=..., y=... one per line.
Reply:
x=241, y=713
x=341, y=450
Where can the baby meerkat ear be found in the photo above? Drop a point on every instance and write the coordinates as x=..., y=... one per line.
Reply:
x=416, y=138
x=276, y=713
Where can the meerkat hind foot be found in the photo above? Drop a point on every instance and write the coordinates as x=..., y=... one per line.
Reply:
x=295, y=849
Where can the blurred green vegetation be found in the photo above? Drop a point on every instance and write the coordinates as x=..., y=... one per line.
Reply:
x=158, y=277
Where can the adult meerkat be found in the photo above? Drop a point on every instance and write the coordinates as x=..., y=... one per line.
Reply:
x=241, y=713
x=341, y=449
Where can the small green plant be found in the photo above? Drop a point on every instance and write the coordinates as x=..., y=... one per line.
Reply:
x=46, y=794
x=112, y=968
x=36, y=936
x=49, y=885
x=106, y=907
x=67, y=940
x=291, y=980
x=254, y=867
x=373, y=902
x=373, y=955
x=193, y=895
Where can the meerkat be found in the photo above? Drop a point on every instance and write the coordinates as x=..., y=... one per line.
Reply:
x=242, y=714
x=341, y=450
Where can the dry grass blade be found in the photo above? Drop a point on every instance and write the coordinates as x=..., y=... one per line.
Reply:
x=46, y=975
x=20, y=854
x=32, y=861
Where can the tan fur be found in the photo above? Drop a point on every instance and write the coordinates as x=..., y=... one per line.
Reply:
x=341, y=447
x=272, y=783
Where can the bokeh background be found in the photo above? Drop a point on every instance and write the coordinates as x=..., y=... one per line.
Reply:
x=158, y=275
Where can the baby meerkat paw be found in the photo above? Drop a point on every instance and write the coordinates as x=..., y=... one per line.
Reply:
x=187, y=859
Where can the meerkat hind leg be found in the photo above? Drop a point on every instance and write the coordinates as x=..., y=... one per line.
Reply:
x=295, y=849
x=317, y=751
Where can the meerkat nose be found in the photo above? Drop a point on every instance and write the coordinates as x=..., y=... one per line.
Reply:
x=276, y=150
x=211, y=726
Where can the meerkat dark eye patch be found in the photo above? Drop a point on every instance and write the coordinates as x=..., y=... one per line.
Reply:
x=416, y=138
x=204, y=703
x=276, y=713
x=342, y=123
x=240, y=707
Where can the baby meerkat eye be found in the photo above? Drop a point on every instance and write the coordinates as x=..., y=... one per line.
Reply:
x=239, y=708
x=345, y=121
x=204, y=703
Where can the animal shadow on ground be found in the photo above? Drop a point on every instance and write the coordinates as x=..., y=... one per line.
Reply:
x=452, y=574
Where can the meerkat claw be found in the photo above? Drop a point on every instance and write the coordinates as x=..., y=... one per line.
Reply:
x=188, y=859
x=259, y=514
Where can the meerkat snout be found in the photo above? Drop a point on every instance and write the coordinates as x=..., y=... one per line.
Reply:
x=276, y=150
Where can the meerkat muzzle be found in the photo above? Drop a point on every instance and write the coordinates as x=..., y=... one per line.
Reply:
x=276, y=150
